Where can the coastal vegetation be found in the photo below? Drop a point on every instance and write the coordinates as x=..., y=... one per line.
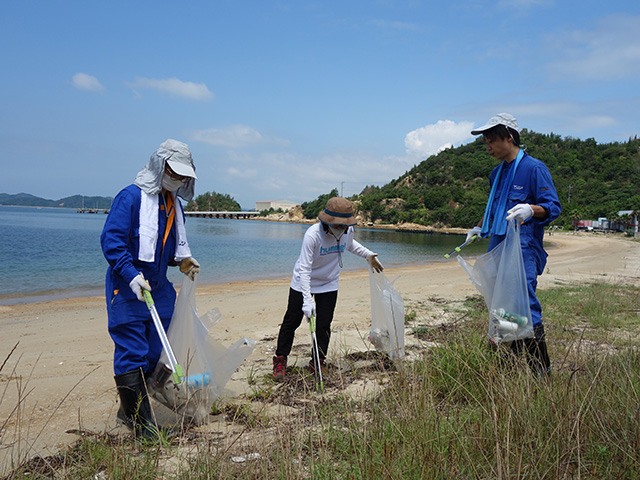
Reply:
x=313, y=208
x=213, y=202
x=453, y=409
x=450, y=189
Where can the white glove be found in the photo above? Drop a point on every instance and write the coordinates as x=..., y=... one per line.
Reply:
x=374, y=263
x=138, y=284
x=474, y=231
x=521, y=213
x=190, y=267
x=309, y=307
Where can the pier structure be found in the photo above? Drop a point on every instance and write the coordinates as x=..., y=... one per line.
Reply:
x=92, y=210
x=233, y=215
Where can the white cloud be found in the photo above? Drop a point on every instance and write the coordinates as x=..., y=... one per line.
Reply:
x=431, y=139
x=173, y=86
x=565, y=116
x=583, y=118
x=309, y=176
x=609, y=51
x=298, y=177
x=235, y=136
x=244, y=173
x=84, y=81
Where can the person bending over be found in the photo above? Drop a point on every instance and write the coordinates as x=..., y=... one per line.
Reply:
x=314, y=284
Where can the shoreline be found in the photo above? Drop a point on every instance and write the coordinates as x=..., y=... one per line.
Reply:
x=98, y=291
x=90, y=292
x=398, y=227
x=60, y=352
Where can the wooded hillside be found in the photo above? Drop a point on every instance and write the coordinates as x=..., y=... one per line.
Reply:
x=450, y=189
x=213, y=202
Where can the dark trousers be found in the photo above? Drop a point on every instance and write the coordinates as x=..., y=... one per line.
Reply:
x=536, y=351
x=325, y=306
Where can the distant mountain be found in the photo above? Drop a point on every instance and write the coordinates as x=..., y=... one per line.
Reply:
x=75, y=201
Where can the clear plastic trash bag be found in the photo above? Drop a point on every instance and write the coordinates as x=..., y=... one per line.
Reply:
x=499, y=275
x=207, y=363
x=387, y=316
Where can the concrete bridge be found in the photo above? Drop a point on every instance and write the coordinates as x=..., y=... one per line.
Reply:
x=234, y=215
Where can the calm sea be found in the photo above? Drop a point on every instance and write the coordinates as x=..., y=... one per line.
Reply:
x=53, y=253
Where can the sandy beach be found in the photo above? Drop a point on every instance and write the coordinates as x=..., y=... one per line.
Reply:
x=59, y=376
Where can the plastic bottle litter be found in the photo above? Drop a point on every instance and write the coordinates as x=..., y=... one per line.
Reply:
x=197, y=381
x=245, y=458
x=501, y=314
x=505, y=326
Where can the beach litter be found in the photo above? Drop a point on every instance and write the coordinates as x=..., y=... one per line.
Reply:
x=208, y=364
x=245, y=458
x=387, y=316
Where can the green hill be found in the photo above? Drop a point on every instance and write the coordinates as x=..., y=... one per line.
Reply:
x=450, y=189
x=213, y=202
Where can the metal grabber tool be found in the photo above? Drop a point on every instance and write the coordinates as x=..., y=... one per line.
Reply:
x=316, y=354
x=178, y=373
x=457, y=249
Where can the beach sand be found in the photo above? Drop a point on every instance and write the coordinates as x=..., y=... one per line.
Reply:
x=59, y=378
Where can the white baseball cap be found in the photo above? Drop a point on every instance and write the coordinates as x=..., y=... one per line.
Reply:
x=505, y=119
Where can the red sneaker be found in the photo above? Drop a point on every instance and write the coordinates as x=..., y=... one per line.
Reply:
x=312, y=366
x=279, y=367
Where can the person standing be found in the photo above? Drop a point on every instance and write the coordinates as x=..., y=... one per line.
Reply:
x=314, y=284
x=143, y=235
x=522, y=190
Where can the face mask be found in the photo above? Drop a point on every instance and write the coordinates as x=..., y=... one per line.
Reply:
x=170, y=184
x=337, y=232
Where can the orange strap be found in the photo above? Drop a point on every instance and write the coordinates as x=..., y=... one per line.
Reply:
x=171, y=214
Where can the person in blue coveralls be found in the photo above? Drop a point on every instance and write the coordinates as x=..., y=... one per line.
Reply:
x=314, y=284
x=521, y=189
x=143, y=235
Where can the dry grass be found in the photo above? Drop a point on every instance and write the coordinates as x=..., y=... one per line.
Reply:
x=453, y=409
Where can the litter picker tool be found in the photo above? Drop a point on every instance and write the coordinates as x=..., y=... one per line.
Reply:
x=316, y=354
x=457, y=249
x=178, y=373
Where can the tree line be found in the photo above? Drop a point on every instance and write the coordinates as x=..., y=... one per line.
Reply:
x=450, y=189
x=213, y=202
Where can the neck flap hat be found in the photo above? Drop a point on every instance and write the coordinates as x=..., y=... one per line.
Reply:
x=339, y=211
x=178, y=156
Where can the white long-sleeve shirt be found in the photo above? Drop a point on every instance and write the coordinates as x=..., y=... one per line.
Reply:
x=318, y=267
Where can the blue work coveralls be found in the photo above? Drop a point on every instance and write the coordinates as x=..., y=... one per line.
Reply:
x=137, y=343
x=532, y=184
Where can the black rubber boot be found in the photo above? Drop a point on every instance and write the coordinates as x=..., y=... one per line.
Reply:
x=135, y=409
x=537, y=355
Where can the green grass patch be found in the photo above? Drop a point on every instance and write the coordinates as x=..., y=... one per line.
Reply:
x=460, y=410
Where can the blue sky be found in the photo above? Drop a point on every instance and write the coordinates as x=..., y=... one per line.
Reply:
x=285, y=100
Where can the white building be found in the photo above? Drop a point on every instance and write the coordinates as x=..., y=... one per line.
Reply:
x=284, y=205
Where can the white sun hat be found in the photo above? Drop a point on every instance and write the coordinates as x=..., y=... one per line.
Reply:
x=505, y=119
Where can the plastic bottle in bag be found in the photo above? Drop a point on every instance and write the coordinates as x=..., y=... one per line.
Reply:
x=500, y=314
x=197, y=381
x=505, y=326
